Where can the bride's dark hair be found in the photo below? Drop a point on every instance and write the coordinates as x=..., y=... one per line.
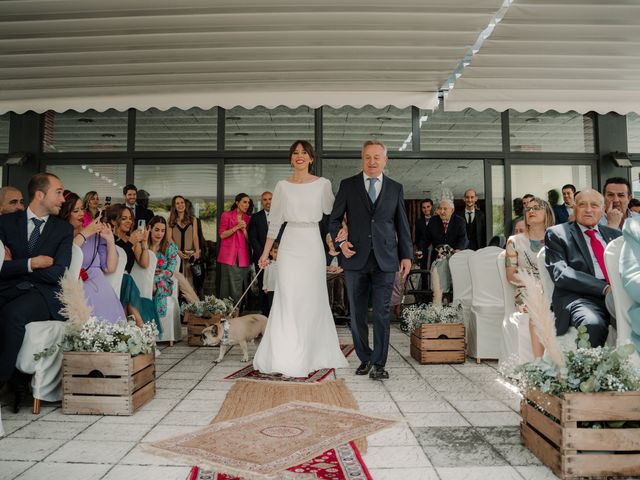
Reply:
x=307, y=148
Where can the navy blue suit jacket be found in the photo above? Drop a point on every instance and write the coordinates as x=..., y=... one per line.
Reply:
x=568, y=261
x=55, y=241
x=382, y=227
x=561, y=214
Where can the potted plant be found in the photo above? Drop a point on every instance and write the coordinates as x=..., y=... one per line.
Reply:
x=437, y=333
x=204, y=313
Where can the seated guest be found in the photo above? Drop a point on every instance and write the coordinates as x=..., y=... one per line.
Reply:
x=574, y=257
x=167, y=254
x=519, y=227
x=522, y=252
x=564, y=212
x=444, y=229
x=135, y=244
x=99, y=257
x=617, y=194
x=634, y=205
x=90, y=204
x=630, y=271
x=10, y=200
x=38, y=250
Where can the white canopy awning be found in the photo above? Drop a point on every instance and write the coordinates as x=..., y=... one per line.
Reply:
x=580, y=55
x=81, y=54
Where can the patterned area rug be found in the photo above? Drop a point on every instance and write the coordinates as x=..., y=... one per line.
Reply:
x=268, y=442
x=341, y=463
x=315, y=376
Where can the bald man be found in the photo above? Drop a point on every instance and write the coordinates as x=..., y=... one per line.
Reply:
x=10, y=200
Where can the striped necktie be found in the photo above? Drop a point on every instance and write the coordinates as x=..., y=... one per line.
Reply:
x=35, y=235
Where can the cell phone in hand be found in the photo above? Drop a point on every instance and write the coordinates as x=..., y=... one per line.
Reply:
x=107, y=200
x=142, y=223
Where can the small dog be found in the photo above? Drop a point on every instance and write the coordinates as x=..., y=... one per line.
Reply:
x=234, y=331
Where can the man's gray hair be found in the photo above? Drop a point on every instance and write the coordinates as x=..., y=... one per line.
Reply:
x=375, y=142
x=590, y=191
x=448, y=201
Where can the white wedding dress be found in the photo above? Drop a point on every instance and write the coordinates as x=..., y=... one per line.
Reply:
x=301, y=335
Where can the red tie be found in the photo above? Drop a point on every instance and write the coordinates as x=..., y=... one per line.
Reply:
x=598, y=251
x=445, y=224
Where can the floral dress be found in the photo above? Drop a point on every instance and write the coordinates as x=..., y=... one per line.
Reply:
x=164, y=277
x=521, y=253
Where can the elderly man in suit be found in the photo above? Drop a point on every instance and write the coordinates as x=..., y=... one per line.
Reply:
x=258, y=228
x=37, y=252
x=378, y=245
x=574, y=257
x=444, y=228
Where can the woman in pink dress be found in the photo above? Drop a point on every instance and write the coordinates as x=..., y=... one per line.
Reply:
x=233, y=253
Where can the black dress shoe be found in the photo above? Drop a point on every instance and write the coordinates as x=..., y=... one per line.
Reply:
x=378, y=373
x=363, y=369
x=20, y=385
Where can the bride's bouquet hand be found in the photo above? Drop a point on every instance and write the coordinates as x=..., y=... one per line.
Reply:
x=264, y=261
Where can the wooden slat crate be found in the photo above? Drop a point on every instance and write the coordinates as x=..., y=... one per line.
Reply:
x=106, y=383
x=438, y=343
x=196, y=324
x=550, y=430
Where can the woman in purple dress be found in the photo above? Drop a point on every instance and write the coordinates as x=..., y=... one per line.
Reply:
x=100, y=256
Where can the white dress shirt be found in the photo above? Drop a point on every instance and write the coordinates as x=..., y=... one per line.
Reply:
x=466, y=215
x=378, y=184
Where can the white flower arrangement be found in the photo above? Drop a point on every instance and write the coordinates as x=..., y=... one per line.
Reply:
x=209, y=306
x=416, y=315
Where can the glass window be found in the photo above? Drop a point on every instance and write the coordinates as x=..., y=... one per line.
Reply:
x=635, y=181
x=89, y=131
x=175, y=129
x=196, y=182
x=467, y=130
x=497, y=199
x=633, y=132
x=106, y=179
x=267, y=129
x=539, y=179
x=252, y=180
x=347, y=128
x=551, y=132
x=4, y=133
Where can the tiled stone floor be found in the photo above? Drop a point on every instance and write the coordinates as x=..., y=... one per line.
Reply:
x=458, y=422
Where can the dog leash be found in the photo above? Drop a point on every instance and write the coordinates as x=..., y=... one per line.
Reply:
x=247, y=290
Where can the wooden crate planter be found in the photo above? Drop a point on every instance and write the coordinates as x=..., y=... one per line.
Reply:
x=438, y=343
x=196, y=324
x=571, y=452
x=107, y=383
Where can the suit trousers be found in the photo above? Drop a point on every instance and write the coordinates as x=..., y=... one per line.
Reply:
x=18, y=307
x=593, y=315
x=359, y=282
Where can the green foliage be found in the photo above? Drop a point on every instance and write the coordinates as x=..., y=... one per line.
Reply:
x=209, y=306
x=209, y=211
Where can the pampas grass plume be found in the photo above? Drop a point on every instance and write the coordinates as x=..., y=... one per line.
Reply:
x=75, y=306
x=187, y=290
x=541, y=316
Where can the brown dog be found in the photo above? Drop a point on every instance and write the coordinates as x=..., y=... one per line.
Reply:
x=237, y=331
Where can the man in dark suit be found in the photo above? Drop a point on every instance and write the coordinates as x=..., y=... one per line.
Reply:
x=258, y=227
x=37, y=252
x=379, y=243
x=564, y=211
x=426, y=212
x=444, y=228
x=475, y=221
x=130, y=193
x=574, y=257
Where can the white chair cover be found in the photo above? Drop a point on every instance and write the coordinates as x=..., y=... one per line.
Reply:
x=115, y=278
x=622, y=301
x=487, y=305
x=516, y=337
x=39, y=336
x=545, y=278
x=144, y=277
x=461, y=280
x=171, y=326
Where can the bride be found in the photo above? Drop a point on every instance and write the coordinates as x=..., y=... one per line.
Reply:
x=300, y=336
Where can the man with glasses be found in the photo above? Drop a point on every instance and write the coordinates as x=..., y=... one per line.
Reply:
x=10, y=200
x=574, y=257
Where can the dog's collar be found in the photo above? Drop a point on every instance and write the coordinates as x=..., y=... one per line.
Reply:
x=225, y=332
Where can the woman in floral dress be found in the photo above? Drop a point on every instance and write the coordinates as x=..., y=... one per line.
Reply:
x=167, y=254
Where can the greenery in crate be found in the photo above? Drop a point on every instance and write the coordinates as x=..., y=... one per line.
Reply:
x=416, y=315
x=587, y=369
x=209, y=306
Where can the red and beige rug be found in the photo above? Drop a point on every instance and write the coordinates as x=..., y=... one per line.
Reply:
x=269, y=442
x=341, y=463
x=315, y=376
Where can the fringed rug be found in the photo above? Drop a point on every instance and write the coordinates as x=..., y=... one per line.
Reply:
x=267, y=443
x=341, y=463
x=315, y=376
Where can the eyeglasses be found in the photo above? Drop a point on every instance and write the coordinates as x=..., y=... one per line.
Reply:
x=533, y=208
